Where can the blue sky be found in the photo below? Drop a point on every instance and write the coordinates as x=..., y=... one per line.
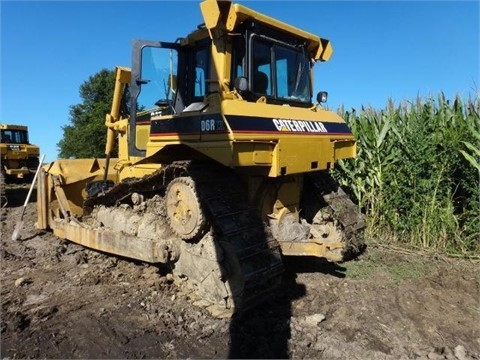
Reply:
x=382, y=50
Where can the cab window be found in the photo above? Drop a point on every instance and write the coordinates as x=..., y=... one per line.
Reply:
x=279, y=71
x=159, y=73
x=201, y=72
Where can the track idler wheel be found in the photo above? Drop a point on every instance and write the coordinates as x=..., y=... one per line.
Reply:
x=184, y=213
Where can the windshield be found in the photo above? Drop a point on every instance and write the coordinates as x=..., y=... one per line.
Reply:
x=14, y=136
x=280, y=71
x=159, y=73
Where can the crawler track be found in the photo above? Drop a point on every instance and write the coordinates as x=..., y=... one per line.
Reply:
x=237, y=263
x=343, y=212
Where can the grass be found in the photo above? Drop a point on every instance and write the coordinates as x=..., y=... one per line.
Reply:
x=380, y=263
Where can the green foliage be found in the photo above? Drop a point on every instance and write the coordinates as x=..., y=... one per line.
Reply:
x=85, y=137
x=416, y=175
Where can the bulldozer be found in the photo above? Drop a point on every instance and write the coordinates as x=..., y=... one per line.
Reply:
x=224, y=159
x=19, y=158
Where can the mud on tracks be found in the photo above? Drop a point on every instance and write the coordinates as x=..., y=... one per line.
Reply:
x=59, y=300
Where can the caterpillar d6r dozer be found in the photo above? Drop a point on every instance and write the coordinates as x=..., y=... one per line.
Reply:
x=223, y=161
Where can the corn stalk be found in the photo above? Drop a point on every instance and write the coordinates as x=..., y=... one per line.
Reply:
x=417, y=171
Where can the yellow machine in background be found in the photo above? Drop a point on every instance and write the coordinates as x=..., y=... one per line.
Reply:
x=223, y=161
x=19, y=158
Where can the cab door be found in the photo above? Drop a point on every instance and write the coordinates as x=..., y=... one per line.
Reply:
x=155, y=91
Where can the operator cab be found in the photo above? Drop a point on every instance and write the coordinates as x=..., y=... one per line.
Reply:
x=14, y=136
x=264, y=62
x=274, y=64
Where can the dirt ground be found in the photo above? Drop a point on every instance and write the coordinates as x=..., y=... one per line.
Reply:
x=59, y=300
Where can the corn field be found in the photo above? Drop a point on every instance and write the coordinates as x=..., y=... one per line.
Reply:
x=417, y=173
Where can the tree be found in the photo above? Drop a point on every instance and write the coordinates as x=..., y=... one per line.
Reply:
x=86, y=136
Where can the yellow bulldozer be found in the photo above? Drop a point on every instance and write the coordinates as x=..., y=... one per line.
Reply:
x=19, y=158
x=223, y=161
